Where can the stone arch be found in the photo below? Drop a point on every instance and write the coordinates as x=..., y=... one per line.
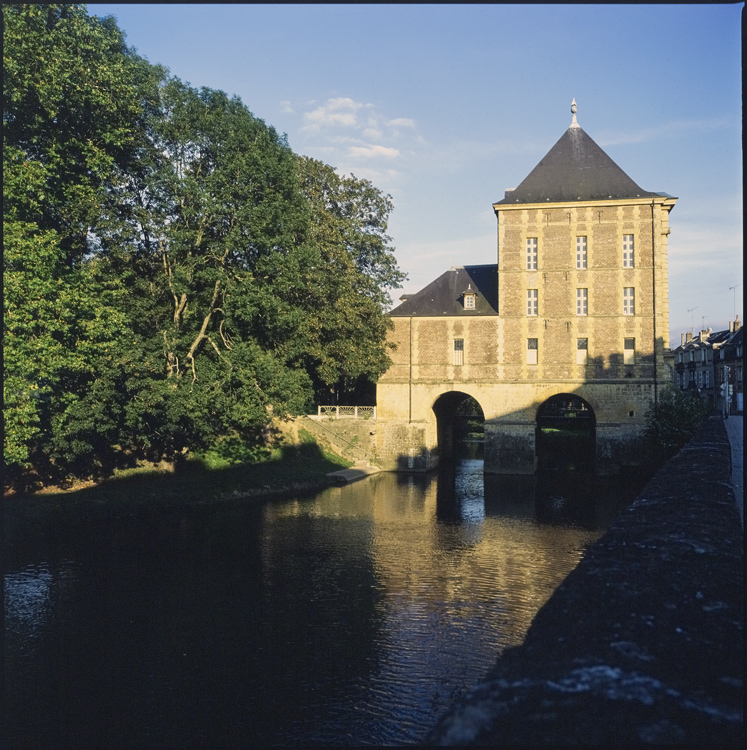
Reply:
x=565, y=436
x=453, y=411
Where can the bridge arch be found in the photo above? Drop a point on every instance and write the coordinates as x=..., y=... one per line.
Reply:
x=565, y=437
x=458, y=415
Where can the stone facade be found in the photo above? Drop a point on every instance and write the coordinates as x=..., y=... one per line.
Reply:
x=523, y=339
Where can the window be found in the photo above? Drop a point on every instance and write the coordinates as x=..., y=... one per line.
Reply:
x=458, y=351
x=739, y=373
x=629, y=352
x=679, y=380
x=531, y=351
x=680, y=357
x=580, y=252
x=531, y=254
x=582, y=351
x=628, y=259
x=707, y=378
x=629, y=300
x=469, y=301
x=692, y=356
x=532, y=302
x=702, y=355
x=700, y=379
x=582, y=301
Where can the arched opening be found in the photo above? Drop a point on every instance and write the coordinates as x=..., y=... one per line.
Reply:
x=566, y=434
x=461, y=425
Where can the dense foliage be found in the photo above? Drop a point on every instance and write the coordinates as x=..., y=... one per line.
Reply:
x=672, y=422
x=174, y=274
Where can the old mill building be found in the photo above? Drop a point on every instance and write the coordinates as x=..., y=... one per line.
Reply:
x=566, y=332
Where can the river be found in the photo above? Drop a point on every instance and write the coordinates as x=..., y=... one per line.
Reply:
x=352, y=617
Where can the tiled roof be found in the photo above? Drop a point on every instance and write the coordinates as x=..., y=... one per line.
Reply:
x=445, y=295
x=575, y=169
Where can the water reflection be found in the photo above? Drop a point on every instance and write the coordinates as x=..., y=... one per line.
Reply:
x=352, y=617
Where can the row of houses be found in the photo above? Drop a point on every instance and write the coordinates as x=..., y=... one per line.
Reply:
x=709, y=364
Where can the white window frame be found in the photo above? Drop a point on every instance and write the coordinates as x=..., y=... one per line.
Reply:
x=458, y=352
x=629, y=300
x=628, y=251
x=532, y=302
x=531, y=253
x=581, y=255
x=628, y=352
x=582, y=302
x=469, y=301
x=532, y=351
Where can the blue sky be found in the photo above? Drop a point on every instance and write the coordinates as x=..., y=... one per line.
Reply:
x=446, y=106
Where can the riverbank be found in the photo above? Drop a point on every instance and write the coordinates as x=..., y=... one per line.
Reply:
x=294, y=470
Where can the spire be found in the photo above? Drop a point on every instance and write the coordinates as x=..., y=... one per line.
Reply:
x=574, y=108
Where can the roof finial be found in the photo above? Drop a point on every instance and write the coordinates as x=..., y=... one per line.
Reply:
x=574, y=123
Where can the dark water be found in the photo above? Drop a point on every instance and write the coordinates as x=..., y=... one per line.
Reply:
x=354, y=617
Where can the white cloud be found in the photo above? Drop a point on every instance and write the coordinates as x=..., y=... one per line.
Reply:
x=338, y=112
x=401, y=122
x=285, y=106
x=373, y=151
x=373, y=134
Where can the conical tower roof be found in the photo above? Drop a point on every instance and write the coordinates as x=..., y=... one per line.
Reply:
x=575, y=169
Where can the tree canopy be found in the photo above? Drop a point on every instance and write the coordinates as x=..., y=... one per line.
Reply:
x=174, y=273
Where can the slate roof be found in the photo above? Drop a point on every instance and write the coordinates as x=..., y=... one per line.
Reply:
x=575, y=169
x=445, y=295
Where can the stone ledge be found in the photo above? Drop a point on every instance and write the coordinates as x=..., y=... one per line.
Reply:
x=643, y=642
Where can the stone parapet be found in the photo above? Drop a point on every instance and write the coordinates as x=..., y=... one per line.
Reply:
x=643, y=642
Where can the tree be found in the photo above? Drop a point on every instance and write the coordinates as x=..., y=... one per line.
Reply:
x=215, y=215
x=174, y=273
x=673, y=421
x=72, y=98
x=347, y=277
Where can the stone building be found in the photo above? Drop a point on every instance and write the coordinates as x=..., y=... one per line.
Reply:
x=569, y=324
x=702, y=362
x=730, y=366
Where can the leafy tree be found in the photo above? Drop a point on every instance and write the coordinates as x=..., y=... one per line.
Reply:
x=174, y=274
x=349, y=271
x=673, y=421
x=72, y=98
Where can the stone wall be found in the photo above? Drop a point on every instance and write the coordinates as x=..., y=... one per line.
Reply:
x=643, y=642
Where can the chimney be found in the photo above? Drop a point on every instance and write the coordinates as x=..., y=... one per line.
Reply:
x=689, y=336
x=507, y=193
x=682, y=342
x=737, y=324
x=731, y=327
x=703, y=335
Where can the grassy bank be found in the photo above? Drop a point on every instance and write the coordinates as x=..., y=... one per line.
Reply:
x=286, y=470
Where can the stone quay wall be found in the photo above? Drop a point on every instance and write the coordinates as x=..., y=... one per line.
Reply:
x=643, y=642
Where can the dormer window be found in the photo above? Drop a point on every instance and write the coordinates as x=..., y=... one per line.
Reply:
x=469, y=298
